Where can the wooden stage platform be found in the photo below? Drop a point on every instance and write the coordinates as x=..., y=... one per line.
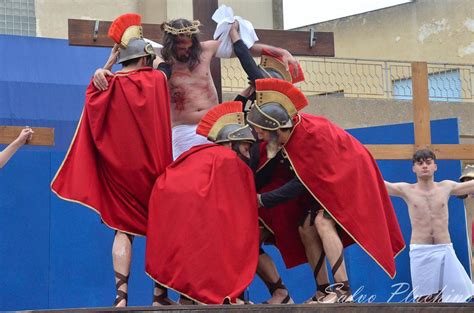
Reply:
x=294, y=308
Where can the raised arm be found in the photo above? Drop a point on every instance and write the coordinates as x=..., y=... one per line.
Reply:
x=461, y=189
x=287, y=57
x=99, y=80
x=10, y=150
x=395, y=189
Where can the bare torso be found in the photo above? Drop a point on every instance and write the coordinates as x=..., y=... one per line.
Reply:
x=428, y=209
x=192, y=94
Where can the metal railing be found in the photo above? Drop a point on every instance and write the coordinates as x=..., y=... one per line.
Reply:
x=367, y=79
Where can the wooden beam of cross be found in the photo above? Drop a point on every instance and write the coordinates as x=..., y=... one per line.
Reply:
x=422, y=130
x=42, y=136
x=94, y=33
x=82, y=33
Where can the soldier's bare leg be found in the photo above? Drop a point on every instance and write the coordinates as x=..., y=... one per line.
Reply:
x=268, y=272
x=316, y=258
x=121, y=258
x=332, y=244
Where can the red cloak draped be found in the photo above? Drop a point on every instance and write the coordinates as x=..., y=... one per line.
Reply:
x=342, y=175
x=203, y=235
x=122, y=144
x=283, y=219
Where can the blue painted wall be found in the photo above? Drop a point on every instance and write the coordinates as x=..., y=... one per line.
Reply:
x=56, y=254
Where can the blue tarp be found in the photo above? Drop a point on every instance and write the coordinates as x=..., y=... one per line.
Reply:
x=56, y=254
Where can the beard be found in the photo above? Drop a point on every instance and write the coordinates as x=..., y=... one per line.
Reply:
x=183, y=58
x=273, y=146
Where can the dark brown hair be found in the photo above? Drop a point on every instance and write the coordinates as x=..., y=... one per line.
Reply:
x=423, y=154
x=170, y=41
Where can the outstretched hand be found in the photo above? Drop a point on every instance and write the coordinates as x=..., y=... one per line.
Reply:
x=25, y=136
x=289, y=59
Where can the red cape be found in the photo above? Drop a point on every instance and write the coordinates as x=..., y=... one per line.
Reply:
x=203, y=235
x=122, y=144
x=283, y=219
x=342, y=175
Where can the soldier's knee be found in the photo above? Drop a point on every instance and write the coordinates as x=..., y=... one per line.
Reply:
x=324, y=223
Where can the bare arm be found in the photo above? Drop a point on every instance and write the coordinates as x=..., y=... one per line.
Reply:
x=10, y=150
x=465, y=188
x=287, y=57
x=210, y=46
x=395, y=189
x=100, y=80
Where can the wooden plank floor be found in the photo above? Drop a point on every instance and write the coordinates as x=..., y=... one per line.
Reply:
x=295, y=308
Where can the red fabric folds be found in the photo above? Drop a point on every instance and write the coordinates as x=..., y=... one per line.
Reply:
x=122, y=144
x=203, y=236
x=342, y=175
x=283, y=219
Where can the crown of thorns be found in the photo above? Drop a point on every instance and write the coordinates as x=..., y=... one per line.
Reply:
x=188, y=30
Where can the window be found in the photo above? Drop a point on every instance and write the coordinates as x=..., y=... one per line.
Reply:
x=17, y=17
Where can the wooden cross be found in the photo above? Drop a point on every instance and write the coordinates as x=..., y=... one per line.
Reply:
x=94, y=33
x=422, y=130
x=42, y=136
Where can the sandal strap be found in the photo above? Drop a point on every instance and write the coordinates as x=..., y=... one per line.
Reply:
x=286, y=300
x=343, y=291
x=338, y=263
x=122, y=279
x=319, y=265
x=323, y=288
x=121, y=295
x=162, y=299
x=272, y=287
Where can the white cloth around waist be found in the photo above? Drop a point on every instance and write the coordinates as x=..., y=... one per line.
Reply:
x=436, y=267
x=184, y=137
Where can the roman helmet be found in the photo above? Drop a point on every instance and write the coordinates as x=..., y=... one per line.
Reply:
x=225, y=123
x=466, y=175
x=272, y=65
x=276, y=103
x=126, y=30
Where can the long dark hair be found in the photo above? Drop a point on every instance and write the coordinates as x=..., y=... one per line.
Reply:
x=168, y=52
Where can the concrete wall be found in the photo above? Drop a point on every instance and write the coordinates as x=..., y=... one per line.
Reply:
x=259, y=12
x=361, y=112
x=52, y=15
x=423, y=30
x=358, y=112
x=179, y=9
x=154, y=11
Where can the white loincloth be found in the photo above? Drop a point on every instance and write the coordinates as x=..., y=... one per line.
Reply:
x=436, y=267
x=185, y=137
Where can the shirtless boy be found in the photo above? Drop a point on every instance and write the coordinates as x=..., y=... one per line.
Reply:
x=437, y=275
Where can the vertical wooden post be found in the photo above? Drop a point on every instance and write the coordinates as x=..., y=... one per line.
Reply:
x=421, y=105
x=202, y=11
